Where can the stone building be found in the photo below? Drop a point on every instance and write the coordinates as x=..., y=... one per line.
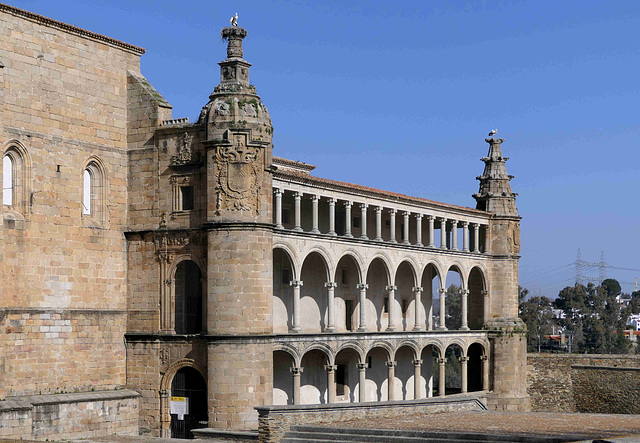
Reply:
x=146, y=259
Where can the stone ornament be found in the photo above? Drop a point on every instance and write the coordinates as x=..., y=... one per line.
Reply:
x=249, y=110
x=238, y=169
x=185, y=155
x=221, y=107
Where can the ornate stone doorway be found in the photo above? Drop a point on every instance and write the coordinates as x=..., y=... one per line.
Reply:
x=188, y=403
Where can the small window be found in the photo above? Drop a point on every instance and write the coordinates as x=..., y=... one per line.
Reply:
x=188, y=298
x=94, y=191
x=86, y=193
x=341, y=379
x=186, y=194
x=7, y=181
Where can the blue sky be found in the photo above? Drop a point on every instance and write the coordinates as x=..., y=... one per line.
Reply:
x=400, y=96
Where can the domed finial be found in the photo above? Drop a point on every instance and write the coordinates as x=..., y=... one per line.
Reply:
x=234, y=20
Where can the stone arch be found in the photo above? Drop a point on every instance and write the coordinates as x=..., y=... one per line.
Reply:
x=385, y=259
x=346, y=375
x=326, y=256
x=404, y=375
x=348, y=278
x=169, y=309
x=376, y=376
x=355, y=346
x=410, y=344
x=165, y=389
x=357, y=258
x=292, y=255
x=438, y=270
x=95, y=190
x=477, y=300
x=430, y=286
x=460, y=269
x=454, y=367
x=314, y=274
x=324, y=347
x=283, y=361
x=292, y=351
x=378, y=281
x=476, y=355
x=20, y=186
x=404, y=282
x=284, y=272
x=313, y=379
x=454, y=316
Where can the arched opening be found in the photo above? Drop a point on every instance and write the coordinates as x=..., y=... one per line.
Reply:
x=405, y=281
x=282, y=292
x=426, y=372
x=430, y=284
x=7, y=180
x=453, y=299
x=188, y=298
x=474, y=367
x=377, y=299
x=282, y=378
x=476, y=299
x=439, y=376
x=94, y=191
x=188, y=402
x=377, y=375
x=313, y=380
x=347, y=307
x=453, y=370
x=404, y=373
x=347, y=376
x=313, y=294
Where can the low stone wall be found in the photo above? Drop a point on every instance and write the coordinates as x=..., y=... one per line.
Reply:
x=70, y=416
x=275, y=421
x=606, y=390
x=559, y=383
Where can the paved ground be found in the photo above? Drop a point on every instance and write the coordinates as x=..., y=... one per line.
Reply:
x=531, y=423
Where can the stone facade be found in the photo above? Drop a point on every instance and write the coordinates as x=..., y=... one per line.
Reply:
x=185, y=262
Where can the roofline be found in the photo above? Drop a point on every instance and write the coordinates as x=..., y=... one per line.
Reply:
x=40, y=19
x=349, y=187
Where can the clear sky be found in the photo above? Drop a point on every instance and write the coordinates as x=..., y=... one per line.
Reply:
x=400, y=96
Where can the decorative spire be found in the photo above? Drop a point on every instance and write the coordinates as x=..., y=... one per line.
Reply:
x=234, y=35
x=495, y=191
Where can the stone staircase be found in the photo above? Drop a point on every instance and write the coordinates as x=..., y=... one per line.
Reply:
x=311, y=434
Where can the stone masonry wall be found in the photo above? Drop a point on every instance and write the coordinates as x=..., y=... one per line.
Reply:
x=561, y=383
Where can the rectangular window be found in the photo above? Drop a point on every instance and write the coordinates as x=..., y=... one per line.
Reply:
x=186, y=194
x=341, y=379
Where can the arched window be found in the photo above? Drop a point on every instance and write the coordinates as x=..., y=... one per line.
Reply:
x=94, y=191
x=7, y=180
x=188, y=300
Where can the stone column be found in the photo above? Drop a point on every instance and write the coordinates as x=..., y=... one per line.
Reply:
x=391, y=365
x=167, y=319
x=392, y=226
x=347, y=221
x=418, y=229
x=331, y=382
x=485, y=306
x=297, y=224
x=391, y=292
x=405, y=230
x=278, y=195
x=441, y=374
x=454, y=235
x=417, y=379
x=465, y=310
x=314, y=214
x=417, y=326
x=443, y=233
x=476, y=237
x=362, y=327
x=332, y=216
x=363, y=221
x=296, y=384
x=463, y=370
x=465, y=236
x=297, y=284
x=441, y=324
x=331, y=287
x=378, y=223
x=485, y=372
x=431, y=219
x=362, y=381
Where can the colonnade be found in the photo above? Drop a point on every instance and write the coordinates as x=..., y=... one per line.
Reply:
x=448, y=226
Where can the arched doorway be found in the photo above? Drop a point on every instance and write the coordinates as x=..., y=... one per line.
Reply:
x=188, y=287
x=188, y=402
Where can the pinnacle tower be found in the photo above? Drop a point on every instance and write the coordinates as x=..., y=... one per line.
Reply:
x=495, y=191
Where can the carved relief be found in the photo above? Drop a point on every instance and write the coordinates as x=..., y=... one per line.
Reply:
x=238, y=171
x=515, y=238
x=185, y=155
x=228, y=73
x=249, y=110
x=222, y=107
x=244, y=74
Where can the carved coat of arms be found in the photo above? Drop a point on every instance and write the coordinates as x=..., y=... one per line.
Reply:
x=238, y=170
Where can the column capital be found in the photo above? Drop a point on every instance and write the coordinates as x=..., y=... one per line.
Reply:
x=443, y=219
x=332, y=200
x=464, y=291
x=330, y=368
x=362, y=286
x=393, y=211
x=391, y=364
x=277, y=191
x=465, y=224
x=416, y=362
x=442, y=361
x=330, y=284
x=419, y=216
x=363, y=206
x=391, y=288
x=484, y=357
x=296, y=283
x=406, y=214
x=315, y=198
x=417, y=289
x=463, y=359
x=454, y=222
x=361, y=366
x=296, y=370
x=484, y=293
x=378, y=209
x=442, y=291
x=297, y=194
x=431, y=218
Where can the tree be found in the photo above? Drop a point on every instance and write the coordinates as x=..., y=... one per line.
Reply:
x=453, y=307
x=537, y=314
